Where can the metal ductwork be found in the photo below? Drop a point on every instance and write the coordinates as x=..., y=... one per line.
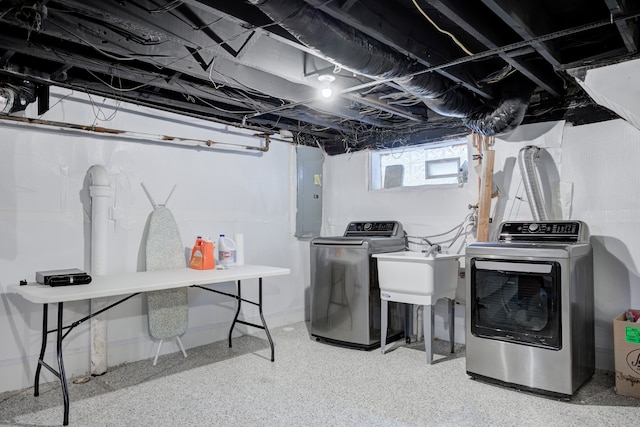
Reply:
x=531, y=180
x=352, y=50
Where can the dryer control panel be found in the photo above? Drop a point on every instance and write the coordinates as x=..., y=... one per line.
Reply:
x=545, y=231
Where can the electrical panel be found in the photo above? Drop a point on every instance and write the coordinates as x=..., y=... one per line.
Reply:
x=309, y=193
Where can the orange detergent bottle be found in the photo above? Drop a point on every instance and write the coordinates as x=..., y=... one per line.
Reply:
x=202, y=255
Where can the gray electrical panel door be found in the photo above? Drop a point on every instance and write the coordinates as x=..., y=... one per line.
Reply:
x=309, y=195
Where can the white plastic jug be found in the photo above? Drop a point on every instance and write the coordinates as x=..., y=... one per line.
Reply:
x=226, y=251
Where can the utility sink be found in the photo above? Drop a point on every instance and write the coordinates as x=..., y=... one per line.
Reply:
x=411, y=277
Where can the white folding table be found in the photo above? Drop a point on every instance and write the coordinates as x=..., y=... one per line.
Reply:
x=132, y=284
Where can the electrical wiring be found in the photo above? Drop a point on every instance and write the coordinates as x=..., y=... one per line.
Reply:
x=107, y=54
x=499, y=75
x=121, y=89
x=97, y=110
x=453, y=37
x=215, y=106
x=168, y=7
x=360, y=133
x=460, y=230
x=51, y=107
x=4, y=13
x=155, y=60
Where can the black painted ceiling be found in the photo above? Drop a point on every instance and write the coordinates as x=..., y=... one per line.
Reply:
x=228, y=61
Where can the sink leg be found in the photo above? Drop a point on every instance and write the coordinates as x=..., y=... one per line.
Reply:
x=452, y=322
x=384, y=318
x=408, y=320
x=427, y=319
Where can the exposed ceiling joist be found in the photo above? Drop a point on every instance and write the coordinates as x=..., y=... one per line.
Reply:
x=452, y=65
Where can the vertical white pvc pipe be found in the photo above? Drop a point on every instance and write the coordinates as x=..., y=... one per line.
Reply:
x=100, y=193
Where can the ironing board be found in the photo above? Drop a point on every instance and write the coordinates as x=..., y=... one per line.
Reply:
x=168, y=310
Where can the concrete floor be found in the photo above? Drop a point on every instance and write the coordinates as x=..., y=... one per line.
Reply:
x=309, y=384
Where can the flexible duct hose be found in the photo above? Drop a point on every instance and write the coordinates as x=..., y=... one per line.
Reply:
x=526, y=158
x=355, y=51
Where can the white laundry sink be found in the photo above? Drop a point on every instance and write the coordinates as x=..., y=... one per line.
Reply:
x=411, y=277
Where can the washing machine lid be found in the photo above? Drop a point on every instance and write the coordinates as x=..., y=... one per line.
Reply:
x=377, y=236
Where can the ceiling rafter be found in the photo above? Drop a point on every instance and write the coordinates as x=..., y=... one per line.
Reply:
x=487, y=33
x=518, y=16
x=383, y=27
x=628, y=29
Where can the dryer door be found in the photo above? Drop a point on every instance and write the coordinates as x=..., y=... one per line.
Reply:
x=516, y=301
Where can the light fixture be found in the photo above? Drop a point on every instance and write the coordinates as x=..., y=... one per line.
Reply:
x=325, y=89
x=16, y=96
x=7, y=95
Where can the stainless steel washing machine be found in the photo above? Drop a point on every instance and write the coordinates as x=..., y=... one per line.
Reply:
x=530, y=307
x=345, y=294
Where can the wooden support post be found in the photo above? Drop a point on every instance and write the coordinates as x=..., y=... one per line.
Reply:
x=486, y=185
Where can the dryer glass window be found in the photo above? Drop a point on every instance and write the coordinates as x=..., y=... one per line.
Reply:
x=517, y=302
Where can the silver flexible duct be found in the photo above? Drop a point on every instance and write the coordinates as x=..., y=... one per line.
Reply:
x=526, y=159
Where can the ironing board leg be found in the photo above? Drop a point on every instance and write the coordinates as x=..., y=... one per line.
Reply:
x=155, y=360
x=181, y=346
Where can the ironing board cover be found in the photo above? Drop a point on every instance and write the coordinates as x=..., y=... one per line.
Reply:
x=168, y=310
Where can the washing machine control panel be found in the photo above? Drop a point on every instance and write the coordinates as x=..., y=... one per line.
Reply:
x=559, y=231
x=372, y=228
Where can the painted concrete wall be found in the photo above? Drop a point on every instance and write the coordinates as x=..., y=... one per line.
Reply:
x=599, y=163
x=45, y=212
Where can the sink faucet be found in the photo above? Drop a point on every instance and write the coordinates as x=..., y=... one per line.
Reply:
x=433, y=248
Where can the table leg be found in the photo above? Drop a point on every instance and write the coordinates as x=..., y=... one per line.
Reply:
x=266, y=330
x=43, y=347
x=235, y=318
x=255, y=325
x=62, y=375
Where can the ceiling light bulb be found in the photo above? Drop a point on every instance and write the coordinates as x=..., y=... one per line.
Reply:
x=326, y=80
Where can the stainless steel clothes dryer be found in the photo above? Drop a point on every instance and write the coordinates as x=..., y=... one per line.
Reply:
x=530, y=321
x=345, y=294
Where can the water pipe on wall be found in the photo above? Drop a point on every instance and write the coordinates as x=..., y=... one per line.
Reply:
x=146, y=137
x=100, y=193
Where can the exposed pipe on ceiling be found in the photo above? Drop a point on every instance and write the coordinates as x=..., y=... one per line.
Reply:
x=355, y=51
